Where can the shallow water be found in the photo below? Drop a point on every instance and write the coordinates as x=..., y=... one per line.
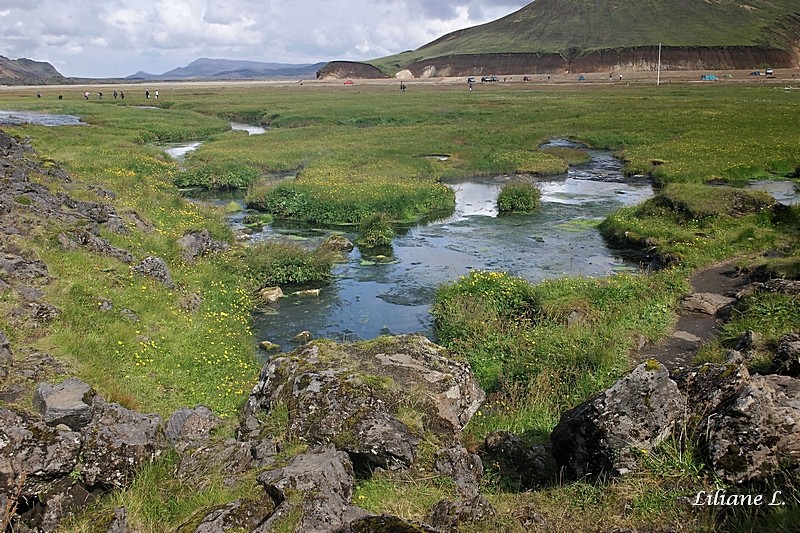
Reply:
x=249, y=128
x=39, y=119
x=179, y=151
x=393, y=295
x=784, y=191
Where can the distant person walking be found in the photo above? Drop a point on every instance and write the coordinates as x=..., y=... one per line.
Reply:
x=115, y=95
x=147, y=95
x=122, y=95
x=156, y=94
x=85, y=95
x=402, y=86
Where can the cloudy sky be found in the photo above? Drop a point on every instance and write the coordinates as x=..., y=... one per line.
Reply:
x=116, y=38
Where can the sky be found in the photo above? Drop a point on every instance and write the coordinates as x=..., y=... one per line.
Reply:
x=117, y=38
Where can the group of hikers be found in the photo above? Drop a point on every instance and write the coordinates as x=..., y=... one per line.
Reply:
x=115, y=94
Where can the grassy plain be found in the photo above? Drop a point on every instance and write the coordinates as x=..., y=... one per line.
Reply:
x=357, y=150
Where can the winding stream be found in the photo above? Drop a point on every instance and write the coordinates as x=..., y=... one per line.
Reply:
x=368, y=298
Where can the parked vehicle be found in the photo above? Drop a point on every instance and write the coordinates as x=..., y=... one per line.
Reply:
x=768, y=72
x=490, y=78
x=471, y=79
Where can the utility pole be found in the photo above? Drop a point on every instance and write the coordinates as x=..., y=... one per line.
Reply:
x=658, y=76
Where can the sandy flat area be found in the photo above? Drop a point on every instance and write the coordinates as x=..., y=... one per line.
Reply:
x=789, y=78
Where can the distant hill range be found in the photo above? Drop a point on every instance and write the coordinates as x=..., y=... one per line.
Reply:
x=557, y=36
x=14, y=71
x=229, y=69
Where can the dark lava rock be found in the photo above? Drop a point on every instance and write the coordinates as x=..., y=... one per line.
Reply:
x=756, y=432
x=155, y=268
x=349, y=395
x=603, y=435
x=68, y=403
x=117, y=442
x=787, y=359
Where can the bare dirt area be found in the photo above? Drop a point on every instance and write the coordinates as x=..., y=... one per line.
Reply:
x=784, y=78
x=714, y=289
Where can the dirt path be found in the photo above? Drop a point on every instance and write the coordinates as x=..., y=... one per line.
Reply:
x=698, y=323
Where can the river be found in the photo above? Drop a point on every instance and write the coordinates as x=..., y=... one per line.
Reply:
x=371, y=297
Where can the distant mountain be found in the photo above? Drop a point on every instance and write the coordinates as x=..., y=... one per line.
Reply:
x=554, y=36
x=26, y=71
x=231, y=69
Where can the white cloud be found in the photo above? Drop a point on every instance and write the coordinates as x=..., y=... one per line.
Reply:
x=119, y=38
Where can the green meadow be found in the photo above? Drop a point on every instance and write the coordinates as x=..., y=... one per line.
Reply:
x=337, y=155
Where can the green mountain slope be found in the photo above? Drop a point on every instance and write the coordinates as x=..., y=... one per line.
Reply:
x=574, y=27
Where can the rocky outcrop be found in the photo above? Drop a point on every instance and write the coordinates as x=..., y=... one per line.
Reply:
x=323, y=478
x=348, y=69
x=787, y=359
x=68, y=403
x=748, y=426
x=94, y=244
x=243, y=514
x=350, y=395
x=198, y=243
x=756, y=433
x=81, y=445
x=155, y=268
x=603, y=435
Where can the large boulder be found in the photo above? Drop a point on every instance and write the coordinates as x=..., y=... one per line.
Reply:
x=244, y=514
x=68, y=403
x=705, y=388
x=464, y=468
x=756, y=432
x=322, y=479
x=192, y=425
x=449, y=515
x=603, y=435
x=371, y=399
x=787, y=359
x=33, y=455
x=117, y=442
x=197, y=243
x=155, y=268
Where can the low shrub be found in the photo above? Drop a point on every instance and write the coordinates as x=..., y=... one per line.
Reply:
x=519, y=197
x=280, y=263
x=332, y=203
x=218, y=176
x=375, y=231
x=700, y=201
